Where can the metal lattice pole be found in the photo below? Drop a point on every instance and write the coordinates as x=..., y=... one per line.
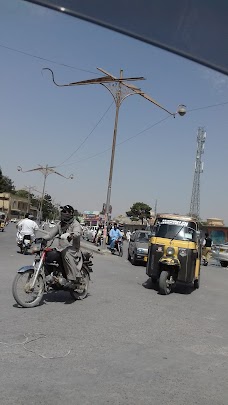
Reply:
x=195, y=199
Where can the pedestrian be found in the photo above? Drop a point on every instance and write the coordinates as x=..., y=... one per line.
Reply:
x=128, y=235
x=206, y=250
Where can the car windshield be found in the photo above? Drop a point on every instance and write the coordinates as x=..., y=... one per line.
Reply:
x=172, y=229
x=142, y=237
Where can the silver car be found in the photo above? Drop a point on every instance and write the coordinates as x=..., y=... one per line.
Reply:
x=220, y=253
x=138, y=246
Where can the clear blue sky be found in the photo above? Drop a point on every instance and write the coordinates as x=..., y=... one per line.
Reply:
x=42, y=124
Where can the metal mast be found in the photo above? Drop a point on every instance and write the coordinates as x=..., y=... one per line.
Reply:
x=195, y=199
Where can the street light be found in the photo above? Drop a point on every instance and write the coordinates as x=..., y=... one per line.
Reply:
x=119, y=90
x=45, y=170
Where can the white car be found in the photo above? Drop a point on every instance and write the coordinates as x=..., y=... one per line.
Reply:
x=220, y=253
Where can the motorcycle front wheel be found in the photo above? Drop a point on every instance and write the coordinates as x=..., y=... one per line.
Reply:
x=81, y=291
x=22, y=292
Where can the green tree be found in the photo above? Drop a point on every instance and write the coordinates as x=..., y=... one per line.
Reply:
x=6, y=184
x=49, y=210
x=139, y=210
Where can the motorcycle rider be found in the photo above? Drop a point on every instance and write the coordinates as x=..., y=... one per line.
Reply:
x=26, y=226
x=114, y=235
x=69, y=231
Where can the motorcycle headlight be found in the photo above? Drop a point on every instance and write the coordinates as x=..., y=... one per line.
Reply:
x=170, y=251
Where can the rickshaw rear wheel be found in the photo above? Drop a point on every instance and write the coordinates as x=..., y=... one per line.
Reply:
x=197, y=283
x=165, y=285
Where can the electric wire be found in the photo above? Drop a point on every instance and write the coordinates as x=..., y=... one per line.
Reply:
x=83, y=142
x=47, y=60
x=139, y=133
x=120, y=143
x=208, y=106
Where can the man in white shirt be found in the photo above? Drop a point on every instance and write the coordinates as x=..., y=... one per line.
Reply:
x=26, y=227
x=128, y=235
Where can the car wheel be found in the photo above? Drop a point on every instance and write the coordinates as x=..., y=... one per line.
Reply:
x=224, y=264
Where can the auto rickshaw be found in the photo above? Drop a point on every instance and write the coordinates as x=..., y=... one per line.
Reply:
x=174, y=252
x=2, y=221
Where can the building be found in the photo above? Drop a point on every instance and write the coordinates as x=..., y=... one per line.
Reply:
x=15, y=206
x=92, y=218
x=215, y=222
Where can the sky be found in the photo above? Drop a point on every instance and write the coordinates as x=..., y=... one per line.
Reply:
x=43, y=124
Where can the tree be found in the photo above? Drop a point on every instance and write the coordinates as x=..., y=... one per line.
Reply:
x=6, y=184
x=139, y=210
x=49, y=210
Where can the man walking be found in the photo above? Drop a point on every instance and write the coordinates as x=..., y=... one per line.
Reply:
x=206, y=250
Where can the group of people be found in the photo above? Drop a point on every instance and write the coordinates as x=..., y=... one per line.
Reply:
x=66, y=236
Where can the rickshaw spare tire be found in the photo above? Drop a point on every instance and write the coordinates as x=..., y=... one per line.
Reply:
x=164, y=286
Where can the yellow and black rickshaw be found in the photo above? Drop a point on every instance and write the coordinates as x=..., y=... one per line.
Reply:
x=2, y=221
x=174, y=252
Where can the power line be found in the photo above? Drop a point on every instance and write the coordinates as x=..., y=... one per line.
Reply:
x=144, y=130
x=208, y=106
x=46, y=60
x=83, y=142
x=120, y=143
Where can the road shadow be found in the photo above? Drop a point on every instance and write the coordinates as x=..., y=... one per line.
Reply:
x=54, y=296
x=180, y=288
x=150, y=285
x=25, y=254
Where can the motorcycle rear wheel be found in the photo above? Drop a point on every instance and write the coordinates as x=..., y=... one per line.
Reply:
x=27, y=299
x=82, y=292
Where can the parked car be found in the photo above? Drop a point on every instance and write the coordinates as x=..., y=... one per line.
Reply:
x=14, y=220
x=138, y=246
x=220, y=253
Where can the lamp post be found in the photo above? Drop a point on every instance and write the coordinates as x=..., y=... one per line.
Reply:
x=119, y=90
x=45, y=170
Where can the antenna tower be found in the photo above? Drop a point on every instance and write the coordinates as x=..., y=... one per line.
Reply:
x=195, y=199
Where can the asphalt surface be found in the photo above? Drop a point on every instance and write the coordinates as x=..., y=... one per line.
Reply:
x=128, y=344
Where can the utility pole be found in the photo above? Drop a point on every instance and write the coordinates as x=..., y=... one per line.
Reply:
x=45, y=170
x=195, y=198
x=119, y=90
x=155, y=207
x=29, y=189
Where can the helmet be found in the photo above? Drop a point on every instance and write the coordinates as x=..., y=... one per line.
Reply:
x=67, y=213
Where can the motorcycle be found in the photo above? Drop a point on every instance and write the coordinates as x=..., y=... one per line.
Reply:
x=47, y=273
x=118, y=247
x=24, y=242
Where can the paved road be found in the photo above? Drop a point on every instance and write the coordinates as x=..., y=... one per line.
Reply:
x=129, y=345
